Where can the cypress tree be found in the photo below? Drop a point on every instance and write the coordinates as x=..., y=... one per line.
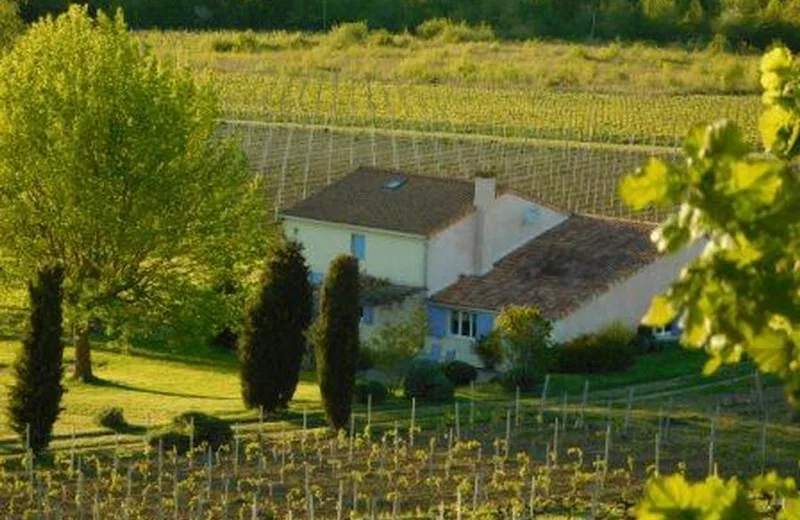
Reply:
x=336, y=340
x=273, y=342
x=35, y=395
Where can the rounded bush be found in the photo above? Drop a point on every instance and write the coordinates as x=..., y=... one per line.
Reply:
x=208, y=429
x=212, y=430
x=365, y=359
x=490, y=350
x=112, y=418
x=171, y=438
x=592, y=354
x=526, y=378
x=366, y=387
x=460, y=373
x=426, y=381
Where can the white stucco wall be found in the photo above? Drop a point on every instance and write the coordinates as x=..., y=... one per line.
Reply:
x=629, y=300
x=451, y=254
x=452, y=251
x=508, y=229
x=397, y=257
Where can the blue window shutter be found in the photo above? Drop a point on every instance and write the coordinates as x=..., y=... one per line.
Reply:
x=368, y=315
x=485, y=324
x=358, y=246
x=439, y=321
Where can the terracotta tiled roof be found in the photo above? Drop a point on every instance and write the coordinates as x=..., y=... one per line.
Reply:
x=420, y=205
x=560, y=269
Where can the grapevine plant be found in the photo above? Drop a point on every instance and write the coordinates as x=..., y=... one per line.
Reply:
x=741, y=297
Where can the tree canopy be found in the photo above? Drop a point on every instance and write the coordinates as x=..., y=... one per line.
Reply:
x=111, y=165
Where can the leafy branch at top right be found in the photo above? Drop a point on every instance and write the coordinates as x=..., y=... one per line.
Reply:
x=741, y=296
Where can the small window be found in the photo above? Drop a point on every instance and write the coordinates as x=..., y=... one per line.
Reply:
x=358, y=246
x=463, y=324
x=367, y=315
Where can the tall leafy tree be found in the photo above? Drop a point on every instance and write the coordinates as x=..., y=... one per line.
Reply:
x=34, y=400
x=336, y=339
x=741, y=298
x=10, y=23
x=111, y=165
x=274, y=340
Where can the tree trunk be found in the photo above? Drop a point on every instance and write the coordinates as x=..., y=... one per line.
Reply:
x=83, y=355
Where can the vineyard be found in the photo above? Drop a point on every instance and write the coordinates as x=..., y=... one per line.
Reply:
x=300, y=159
x=561, y=456
x=653, y=120
x=305, y=124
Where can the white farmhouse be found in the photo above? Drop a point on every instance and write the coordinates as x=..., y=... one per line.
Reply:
x=466, y=249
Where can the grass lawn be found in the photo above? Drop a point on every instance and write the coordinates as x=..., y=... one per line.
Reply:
x=152, y=387
x=149, y=389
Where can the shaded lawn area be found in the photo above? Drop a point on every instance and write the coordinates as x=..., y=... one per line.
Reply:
x=151, y=389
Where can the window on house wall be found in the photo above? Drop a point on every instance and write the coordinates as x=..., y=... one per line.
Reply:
x=464, y=324
x=358, y=246
x=367, y=315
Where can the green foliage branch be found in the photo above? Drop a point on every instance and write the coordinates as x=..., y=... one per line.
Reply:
x=741, y=297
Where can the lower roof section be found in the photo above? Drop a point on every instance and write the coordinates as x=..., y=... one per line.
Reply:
x=559, y=270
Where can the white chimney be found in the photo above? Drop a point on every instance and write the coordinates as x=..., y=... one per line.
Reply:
x=485, y=192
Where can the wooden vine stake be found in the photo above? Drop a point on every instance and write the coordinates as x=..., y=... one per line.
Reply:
x=763, y=450
x=555, y=442
x=544, y=395
x=628, y=409
x=458, y=422
x=340, y=500
x=413, y=420
x=580, y=422
x=606, y=452
x=657, y=463
x=471, y=404
x=508, y=433
x=369, y=411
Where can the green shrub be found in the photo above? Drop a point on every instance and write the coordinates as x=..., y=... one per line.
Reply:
x=223, y=45
x=426, y=381
x=208, y=429
x=610, y=350
x=489, y=349
x=448, y=31
x=526, y=378
x=171, y=438
x=365, y=360
x=112, y=418
x=212, y=430
x=460, y=373
x=366, y=387
x=644, y=342
x=347, y=34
